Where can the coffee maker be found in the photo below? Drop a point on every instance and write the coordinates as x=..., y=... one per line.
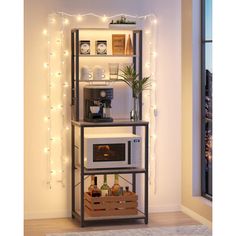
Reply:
x=97, y=103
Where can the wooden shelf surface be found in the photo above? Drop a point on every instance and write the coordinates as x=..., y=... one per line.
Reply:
x=118, y=122
x=140, y=215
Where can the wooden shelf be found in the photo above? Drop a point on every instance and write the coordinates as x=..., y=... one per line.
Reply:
x=140, y=215
x=120, y=122
x=114, y=171
x=84, y=55
x=101, y=80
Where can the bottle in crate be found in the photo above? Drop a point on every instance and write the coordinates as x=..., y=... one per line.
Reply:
x=91, y=187
x=127, y=192
x=105, y=189
x=116, y=187
x=96, y=192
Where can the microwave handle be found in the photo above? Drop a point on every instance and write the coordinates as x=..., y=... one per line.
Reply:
x=129, y=152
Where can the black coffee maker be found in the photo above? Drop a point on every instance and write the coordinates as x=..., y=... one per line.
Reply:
x=97, y=103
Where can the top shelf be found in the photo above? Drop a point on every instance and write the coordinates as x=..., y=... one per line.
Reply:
x=113, y=27
x=104, y=55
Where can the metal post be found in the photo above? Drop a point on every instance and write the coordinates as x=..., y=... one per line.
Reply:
x=146, y=173
x=72, y=168
x=82, y=175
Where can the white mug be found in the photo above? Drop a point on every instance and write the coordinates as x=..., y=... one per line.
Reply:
x=86, y=73
x=98, y=73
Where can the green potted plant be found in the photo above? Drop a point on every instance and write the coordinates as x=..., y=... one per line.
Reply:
x=137, y=84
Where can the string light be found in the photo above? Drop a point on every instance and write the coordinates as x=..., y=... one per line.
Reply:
x=45, y=32
x=46, y=150
x=66, y=52
x=58, y=60
x=45, y=65
x=45, y=97
x=46, y=118
x=104, y=18
x=66, y=21
x=154, y=21
x=79, y=18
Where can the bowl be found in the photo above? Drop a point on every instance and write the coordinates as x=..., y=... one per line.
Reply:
x=94, y=109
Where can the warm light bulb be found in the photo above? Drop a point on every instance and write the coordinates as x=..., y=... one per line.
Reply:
x=45, y=65
x=64, y=95
x=66, y=21
x=154, y=54
x=154, y=136
x=66, y=52
x=147, y=65
x=67, y=128
x=104, y=18
x=154, y=21
x=46, y=150
x=45, y=97
x=79, y=18
x=46, y=118
x=45, y=32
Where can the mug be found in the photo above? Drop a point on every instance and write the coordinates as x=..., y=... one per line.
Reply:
x=98, y=73
x=86, y=73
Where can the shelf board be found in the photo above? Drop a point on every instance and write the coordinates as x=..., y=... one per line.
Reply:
x=140, y=215
x=101, y=80
x=112, y=28
x=82, y=55
x=114, y=123
x=113, y=171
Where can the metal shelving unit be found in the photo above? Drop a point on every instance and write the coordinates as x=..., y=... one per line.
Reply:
x=80, y=170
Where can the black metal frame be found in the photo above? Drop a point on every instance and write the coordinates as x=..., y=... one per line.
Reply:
x=84, y=172
x=203, y=94
x=137, y=61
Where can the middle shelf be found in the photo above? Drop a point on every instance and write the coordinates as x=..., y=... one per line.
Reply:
x=111, y=171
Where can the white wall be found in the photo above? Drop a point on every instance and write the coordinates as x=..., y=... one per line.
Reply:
x=169, y=103
x=40, y=202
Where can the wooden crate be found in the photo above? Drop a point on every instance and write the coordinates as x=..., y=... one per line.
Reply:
x=111, y=205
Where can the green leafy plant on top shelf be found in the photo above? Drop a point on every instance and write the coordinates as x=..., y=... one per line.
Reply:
x=131, y=78
x=122, y=20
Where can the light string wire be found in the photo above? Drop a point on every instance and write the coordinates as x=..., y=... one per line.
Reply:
x=62, y=78
x=108, y=17
x=48, y=100
x=152, y=107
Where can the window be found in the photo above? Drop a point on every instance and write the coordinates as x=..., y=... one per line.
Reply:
x=206, y=99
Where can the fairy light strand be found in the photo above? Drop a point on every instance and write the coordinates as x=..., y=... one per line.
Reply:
x=150, y=98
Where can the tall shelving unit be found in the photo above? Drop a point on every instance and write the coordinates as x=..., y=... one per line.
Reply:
x=79, y=172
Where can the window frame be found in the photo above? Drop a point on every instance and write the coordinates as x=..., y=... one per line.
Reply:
x=204, y=41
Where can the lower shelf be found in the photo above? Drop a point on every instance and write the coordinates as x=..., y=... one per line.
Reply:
x=140, y=215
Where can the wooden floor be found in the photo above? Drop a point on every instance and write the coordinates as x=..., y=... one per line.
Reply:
x=41, y=227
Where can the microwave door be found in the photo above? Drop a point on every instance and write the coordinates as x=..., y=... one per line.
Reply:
x=109, y=152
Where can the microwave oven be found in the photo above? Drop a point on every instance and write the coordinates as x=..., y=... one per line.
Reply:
x=102, y=151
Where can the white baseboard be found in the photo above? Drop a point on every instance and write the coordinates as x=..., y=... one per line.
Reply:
x=46, y=215
x=196, y=216
x=164, y=208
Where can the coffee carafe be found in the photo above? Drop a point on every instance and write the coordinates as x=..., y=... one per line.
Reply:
x=97, y=103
